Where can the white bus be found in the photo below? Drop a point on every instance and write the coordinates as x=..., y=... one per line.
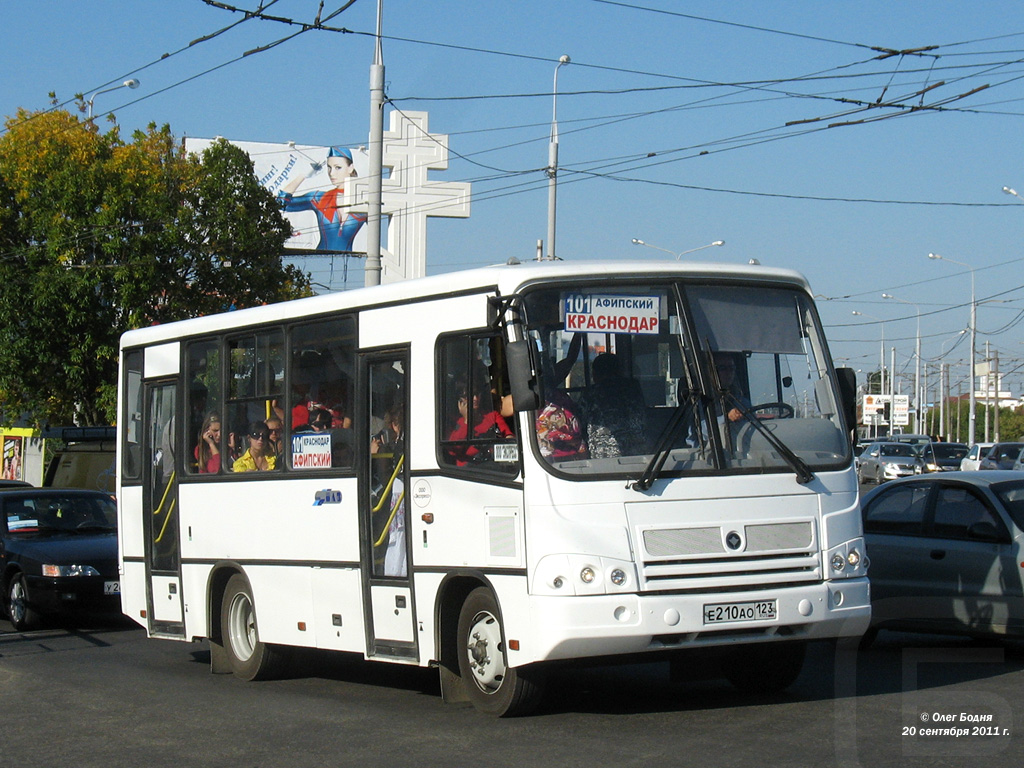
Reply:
x=495, y=471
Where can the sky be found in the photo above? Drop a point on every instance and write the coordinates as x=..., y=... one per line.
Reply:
x=845, y=140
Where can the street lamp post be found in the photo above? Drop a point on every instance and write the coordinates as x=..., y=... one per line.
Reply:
x=680, y=253
x=881, y=362
x=553, y=160
x=973, y=405
x=132, y=83
x=917, y=356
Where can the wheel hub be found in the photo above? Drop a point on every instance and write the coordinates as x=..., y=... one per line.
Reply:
x=485, y=653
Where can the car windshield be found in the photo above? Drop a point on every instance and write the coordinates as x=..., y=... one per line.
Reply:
x=59, y=513
x=899, y=449
x=1012, y=496
x=704, y=378
x=1005, y=451
x=947, y=451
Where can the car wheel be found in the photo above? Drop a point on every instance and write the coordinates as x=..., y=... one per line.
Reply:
x=491, y=685
x=248, y=656
x=22, y=616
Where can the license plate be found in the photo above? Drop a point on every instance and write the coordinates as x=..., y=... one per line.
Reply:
x=727, y=613
x=111, y=588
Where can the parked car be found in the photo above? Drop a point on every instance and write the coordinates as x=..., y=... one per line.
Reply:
x=944, y=550
x=887, y=461
x=58, y=554
x=941, y=457
x=972, y=461
x=1001, y=456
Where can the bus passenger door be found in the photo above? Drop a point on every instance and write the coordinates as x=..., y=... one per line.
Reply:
x=387, y=587
x=160, y=509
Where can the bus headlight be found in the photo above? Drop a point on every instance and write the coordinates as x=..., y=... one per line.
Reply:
x=594, y=576
x=848, y=560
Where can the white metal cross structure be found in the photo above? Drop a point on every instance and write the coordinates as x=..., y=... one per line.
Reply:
x=409, y=197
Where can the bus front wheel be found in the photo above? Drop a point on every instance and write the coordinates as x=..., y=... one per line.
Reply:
x=491, y=685
x=249, y=657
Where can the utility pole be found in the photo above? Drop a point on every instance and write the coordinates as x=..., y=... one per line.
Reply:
x=988, y=388
x=375, y=193
x=995, y=415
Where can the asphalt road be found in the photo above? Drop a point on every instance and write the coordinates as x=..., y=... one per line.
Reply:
x=110, y=697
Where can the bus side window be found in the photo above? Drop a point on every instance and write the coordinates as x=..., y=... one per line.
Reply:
x=255, y=385
x=472, y=388
x=204, y=403
x=319, y=408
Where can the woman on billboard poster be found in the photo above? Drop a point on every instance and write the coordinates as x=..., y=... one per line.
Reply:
x=337, y=226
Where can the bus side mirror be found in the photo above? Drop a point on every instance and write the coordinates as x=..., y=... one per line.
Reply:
x=522, y=376
x=846, y=378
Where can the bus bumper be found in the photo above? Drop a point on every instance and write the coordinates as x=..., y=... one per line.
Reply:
x=606, y=625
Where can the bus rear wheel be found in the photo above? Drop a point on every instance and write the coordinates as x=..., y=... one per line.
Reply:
x=490, y=684
x=249, y=657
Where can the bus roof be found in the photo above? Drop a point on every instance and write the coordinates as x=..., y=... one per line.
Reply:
x=506, y=278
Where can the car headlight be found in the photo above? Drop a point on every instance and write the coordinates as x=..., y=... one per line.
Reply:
x=57, y=571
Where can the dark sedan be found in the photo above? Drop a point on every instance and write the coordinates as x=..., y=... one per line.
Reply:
x=58, y=555
x=942, y=457
x=945, y=551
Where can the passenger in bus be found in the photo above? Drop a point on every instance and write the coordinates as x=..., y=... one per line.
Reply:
x=260, y=455
x=389, y=446
x=207, y=451
x=613, y=411
x=488, y=422
x=276, y=428
x=320, y=419
x=559, y=432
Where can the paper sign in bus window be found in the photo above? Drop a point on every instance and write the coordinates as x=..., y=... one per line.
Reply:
x=311, y=451
x=609, y=313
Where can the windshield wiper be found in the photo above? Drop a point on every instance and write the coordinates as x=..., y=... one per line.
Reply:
x=664, y=446
x=798, y=465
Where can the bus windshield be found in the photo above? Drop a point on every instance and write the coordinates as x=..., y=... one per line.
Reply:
x=682, y=377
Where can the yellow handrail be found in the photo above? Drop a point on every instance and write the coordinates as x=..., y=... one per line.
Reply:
x=387, y=525
x=387, y=490
x=160, y=506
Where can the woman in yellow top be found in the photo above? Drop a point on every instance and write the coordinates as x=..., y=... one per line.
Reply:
x=260, y=455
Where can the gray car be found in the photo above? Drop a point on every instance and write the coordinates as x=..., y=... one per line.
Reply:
x=944, y=550
x=888, y=461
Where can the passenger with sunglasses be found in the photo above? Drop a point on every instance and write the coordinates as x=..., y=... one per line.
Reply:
x=260, y=454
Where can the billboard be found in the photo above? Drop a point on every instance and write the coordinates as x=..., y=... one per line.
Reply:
x=309, y=181
x=876, y=410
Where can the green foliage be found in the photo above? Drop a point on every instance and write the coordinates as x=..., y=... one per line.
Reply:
x=1011, y=422
x=99, y=235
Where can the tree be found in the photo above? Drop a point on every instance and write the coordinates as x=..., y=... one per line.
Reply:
x=99, y=235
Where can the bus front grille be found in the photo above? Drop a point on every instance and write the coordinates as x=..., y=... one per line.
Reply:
x=730, y=556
